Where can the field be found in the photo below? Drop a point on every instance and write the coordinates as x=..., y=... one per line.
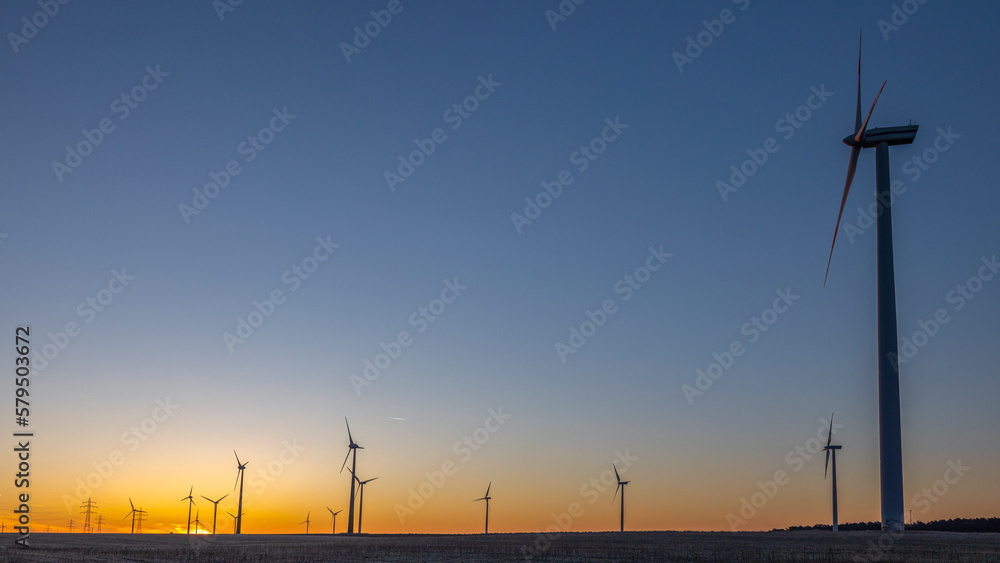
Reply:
x=605, y=546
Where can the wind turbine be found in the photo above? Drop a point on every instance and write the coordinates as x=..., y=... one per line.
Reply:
x=890, y=436
x=621, y=485
x=131, y=513
x=235, y=520
x=196, y=522
x=361, y=501
x=190, y=500
x=334, y=514
x=240, y=466
x=306, y=522
x=833, y=449
x=353, y=447
x=487, y=498
x=216, y=509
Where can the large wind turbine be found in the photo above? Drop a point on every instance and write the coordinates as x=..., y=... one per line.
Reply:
x=621, y=485
x=306, y=522
x=215, y=510
x=353, y=448
x=131, y=513
x=361, y=500
x=828, y=449
x=334, y=514
x=240, y=466
x=190, y=499
x=890, y=440
x=487, y=498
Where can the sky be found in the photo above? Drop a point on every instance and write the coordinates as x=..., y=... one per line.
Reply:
x=505, y=241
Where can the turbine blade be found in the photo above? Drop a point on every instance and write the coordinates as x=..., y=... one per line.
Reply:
x=861, y=132
x=827, y=463
x=617, y=477
x=130, y=503
x=488, y=489
x=345, y=461
x=349, y=438
x=829, y=436
x=237, y=458
x=616, y=493
x=857, y=115
x=851, y=169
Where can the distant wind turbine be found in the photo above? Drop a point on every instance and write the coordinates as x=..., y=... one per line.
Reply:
x=197, y=522
x=487, y=498
x=306, y=522
x=890, y=434
x=215, y=510
x=334, y=514
x=240, y=466
x=828, y=449
x=190, y=500
x=235, y=520
x=131, y=513
x=361, y=501
x=621, y=485
x=353, y=448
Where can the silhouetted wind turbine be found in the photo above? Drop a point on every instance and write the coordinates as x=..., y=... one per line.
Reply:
x=196, y=522
x=235, y=520
x=890, y=438
x=190, y=500
x=361, y=501
x=487, y=498
x=833, y=449
x=621, y=485
x=131, y=513
x=215, y=510
x=353, y=448
x=334, y=514
x=306, y=522
x=240, y=466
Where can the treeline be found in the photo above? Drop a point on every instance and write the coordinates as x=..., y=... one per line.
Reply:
x=952, y=525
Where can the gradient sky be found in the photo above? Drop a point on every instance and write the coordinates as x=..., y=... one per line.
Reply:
x=280, y=396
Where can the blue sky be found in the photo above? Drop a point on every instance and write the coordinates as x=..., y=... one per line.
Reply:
x=212, y=83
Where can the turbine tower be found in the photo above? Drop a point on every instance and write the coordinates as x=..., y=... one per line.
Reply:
x=353, y=448
x=306, y=522
x=240, y=466
x=890, y=435
x=487, y=498
x=334, y=514
x=131, y=513
x=215, y=510
x=621, y=485
x=828, y=449
x=190, y=500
